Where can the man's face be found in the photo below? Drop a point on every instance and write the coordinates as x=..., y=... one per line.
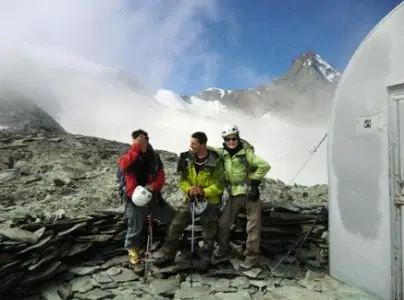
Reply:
x=195, y=146
x=231, y=141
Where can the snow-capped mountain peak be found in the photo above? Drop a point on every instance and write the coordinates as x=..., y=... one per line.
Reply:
x=215, y=91
x=307, y=86
x=312, y=59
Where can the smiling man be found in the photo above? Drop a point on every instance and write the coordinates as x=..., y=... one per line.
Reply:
x=202, y=179
x=244, y=172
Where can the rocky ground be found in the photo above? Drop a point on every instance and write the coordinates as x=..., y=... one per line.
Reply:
x=114, y=281
x=76, y=174
x=52, y=185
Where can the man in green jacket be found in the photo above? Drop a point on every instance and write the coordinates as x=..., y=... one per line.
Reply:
x=244, y=171
x=202, y=177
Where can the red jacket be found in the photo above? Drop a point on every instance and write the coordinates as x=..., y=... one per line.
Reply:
x=126, y=160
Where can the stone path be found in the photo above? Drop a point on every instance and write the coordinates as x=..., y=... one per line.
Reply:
x=112, y=280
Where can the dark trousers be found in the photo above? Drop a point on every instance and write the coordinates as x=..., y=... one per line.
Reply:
x=137, y=217
x=209, y=222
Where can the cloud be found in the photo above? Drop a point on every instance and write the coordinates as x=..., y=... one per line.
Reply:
x=152, y=39
x=62, y=55
x=250, y=78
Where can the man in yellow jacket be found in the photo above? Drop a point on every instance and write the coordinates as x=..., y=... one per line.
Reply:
x=244, y=171
x=202, y=177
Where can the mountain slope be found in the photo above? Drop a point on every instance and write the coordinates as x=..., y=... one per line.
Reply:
x=306, y=89
x=19, y=115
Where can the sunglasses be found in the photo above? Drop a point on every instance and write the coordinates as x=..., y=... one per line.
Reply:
x=231, y=139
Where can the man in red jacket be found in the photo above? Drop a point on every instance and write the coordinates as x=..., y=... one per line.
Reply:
x=142, y=166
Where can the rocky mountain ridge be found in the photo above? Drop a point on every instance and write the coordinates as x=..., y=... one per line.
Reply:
x=305, y=89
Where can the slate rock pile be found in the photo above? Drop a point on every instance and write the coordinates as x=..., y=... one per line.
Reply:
x=88, y=272
x=112, y=280
x=37, y=247
x=286, y=227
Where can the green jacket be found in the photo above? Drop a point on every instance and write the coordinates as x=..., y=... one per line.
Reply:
x=236, y=168
x=210, y=177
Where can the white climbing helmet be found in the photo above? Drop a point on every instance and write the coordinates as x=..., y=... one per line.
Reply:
x=141, y=196
x=229, y=130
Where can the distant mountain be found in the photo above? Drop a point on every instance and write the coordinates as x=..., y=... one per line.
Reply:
x=306, y=89
x=304, y=93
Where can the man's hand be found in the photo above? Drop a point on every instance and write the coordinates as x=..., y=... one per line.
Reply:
x=138, y=139
x=196, y=191
x=150, y=187
x=142, y=141
x=193, y=191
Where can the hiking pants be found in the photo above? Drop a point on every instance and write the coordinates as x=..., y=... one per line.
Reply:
x=183, y=218
x=137, y=217
x=228, y=217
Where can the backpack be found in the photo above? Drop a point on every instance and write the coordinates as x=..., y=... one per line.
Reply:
x=120, y=178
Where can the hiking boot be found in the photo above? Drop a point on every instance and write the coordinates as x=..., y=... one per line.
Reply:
x=164, y=258
x=135, y=261
x=186, y=254
x=222, y=254
x=204, y=265
x=249, y=263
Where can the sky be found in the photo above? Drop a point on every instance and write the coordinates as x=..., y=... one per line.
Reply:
x=269, y=34
x=187, y=46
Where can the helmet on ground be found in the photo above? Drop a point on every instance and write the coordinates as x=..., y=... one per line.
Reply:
x=141, y=196
x=229, y=130
x=200, y=207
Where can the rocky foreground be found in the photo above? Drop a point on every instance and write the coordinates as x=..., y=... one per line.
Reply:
x=62, y=229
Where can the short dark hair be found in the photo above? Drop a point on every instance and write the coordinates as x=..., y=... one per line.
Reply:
x=201, y=137
x=138, y=132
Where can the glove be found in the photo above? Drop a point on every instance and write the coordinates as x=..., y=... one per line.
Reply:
x=254, y=193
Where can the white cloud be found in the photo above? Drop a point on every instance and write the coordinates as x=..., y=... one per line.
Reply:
x=152, y=39
x=250, y=78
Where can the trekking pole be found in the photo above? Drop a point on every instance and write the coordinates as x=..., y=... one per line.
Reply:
x=300, y=247
x=192, y=238
x=149, y=243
